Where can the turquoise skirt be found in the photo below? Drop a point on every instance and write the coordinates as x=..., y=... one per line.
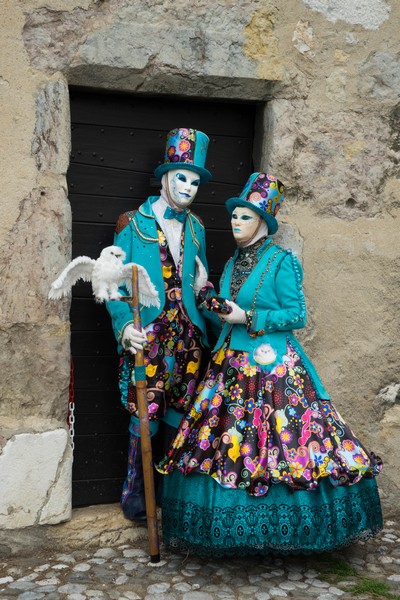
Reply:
x=201, y=516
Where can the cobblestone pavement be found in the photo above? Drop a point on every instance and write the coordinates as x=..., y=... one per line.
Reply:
x=366, y=570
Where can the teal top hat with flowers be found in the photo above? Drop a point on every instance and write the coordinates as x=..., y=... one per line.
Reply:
x=263, y=193
x=185, y=149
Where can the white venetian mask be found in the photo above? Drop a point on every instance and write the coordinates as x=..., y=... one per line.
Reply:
x=183, y=185
x=245, y=223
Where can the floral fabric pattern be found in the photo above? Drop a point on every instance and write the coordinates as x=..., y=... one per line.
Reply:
x=249, y=429
x=265, y=193
x=181, y=146
x=173, y=351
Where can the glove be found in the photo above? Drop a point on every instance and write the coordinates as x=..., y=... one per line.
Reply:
x=200, y=279
x=237, y=316
x=132, y=339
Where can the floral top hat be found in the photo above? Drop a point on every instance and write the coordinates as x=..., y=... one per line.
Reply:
x=263, y=193
x=185, y=149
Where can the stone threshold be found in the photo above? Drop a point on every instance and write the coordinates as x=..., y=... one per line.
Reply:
x=100, y=525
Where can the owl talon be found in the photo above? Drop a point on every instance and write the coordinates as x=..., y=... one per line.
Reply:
x=115, y=296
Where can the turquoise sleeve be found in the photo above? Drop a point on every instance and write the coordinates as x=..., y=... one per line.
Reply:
x=289, y=292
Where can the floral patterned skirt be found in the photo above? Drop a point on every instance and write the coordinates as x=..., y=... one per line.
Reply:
x=249, y=430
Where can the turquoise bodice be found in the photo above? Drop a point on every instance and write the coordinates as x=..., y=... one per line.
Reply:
x=273, y=295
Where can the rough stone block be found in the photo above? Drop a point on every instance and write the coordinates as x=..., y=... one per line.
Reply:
x=31, y=480
x=51, y=144
x=370, y=14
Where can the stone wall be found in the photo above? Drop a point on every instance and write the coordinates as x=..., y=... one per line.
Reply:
x=329, y=77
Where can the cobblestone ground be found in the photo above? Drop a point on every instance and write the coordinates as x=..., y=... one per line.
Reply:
x=366, y=570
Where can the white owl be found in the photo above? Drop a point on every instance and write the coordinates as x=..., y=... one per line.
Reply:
x=106, y=274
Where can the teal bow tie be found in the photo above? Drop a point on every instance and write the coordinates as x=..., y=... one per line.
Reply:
x=170, y=213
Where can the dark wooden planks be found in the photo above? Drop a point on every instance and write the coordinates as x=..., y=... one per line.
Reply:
x=228, y=158
x=97, y=181
x=163, y=114
x=99, y=209
x=100, y=457
x=96, y=372
x=97, y=343
x=117, y=141
x=101, y=491
x=86, y=315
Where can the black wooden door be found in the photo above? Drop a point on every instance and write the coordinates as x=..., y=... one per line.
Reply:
x=117, y=141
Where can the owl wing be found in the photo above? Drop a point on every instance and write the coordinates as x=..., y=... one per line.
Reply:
x=148, y=295
x=80, y=268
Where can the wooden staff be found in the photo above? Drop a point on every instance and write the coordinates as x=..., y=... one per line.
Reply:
x=145, y=438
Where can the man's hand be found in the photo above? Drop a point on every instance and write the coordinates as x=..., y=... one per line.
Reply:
x=201, y=278
x=132, y=339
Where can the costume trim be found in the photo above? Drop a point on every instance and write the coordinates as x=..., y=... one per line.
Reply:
x=297, y=276
x=192, y=231
x=145, y=214
x=215, y=521
x=140, y=234
x=222, y=280
x=197, y=218
x=122, y=222
x=251, y=315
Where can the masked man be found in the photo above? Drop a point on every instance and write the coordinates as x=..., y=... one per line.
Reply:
x=166, y=238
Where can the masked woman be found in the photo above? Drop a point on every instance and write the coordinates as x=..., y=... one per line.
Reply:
x=263, y=462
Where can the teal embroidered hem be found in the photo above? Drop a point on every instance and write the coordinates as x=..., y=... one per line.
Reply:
x=201, y=516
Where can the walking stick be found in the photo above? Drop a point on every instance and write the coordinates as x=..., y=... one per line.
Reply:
x=84, y=267
x=145, y=439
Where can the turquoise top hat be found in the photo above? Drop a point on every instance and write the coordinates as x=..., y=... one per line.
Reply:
x=263, y=193
x=185, y=149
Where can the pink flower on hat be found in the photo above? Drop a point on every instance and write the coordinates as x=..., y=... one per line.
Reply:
x=255, y=197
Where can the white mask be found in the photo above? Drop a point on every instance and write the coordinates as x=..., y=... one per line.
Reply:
x=245, y=224
x=182, y=186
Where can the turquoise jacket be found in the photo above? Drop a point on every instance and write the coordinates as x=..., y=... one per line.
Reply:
x=274, y=298
x=139, y=240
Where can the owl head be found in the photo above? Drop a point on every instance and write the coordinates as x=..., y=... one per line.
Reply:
x=113, y=253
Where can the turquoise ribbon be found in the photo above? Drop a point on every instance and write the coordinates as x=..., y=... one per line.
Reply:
x=170, y=213
x=140, y=373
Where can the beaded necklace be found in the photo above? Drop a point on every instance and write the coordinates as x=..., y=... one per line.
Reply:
x=263, y=276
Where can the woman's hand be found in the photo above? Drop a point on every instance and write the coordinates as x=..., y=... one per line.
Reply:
x=237, y=316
